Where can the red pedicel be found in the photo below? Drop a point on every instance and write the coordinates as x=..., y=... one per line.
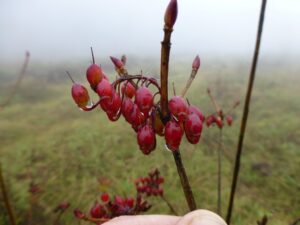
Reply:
x=80, y=95
x=94, y=75
x=144, y=100
x=173, y=135
x=146, y=139
x=178, y=108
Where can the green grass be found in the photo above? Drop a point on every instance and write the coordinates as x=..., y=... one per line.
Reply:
x=74, y=156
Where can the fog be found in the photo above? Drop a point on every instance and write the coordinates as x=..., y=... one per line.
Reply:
x=65, y=29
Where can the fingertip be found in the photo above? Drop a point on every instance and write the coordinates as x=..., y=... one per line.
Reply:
x=145, y=220
x=201, y=217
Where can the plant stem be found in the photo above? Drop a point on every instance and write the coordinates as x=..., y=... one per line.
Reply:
x=164, y=71
x=184, y=181
x=8, y=207
x=219, y=209
x=245, y=113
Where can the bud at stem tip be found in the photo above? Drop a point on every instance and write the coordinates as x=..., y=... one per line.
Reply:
x=171, y=14
x=196, y=63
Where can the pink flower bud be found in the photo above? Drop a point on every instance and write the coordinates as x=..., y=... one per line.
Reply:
x=117, y=62
x=171, y=14
x=196, y=63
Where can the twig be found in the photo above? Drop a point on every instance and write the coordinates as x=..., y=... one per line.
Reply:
x=219, y=210
x=164, y=71
x=170, y=18
x=184, y=181
x=8, y=207
x=17, y=83
x=245, y=113
x=169, y=205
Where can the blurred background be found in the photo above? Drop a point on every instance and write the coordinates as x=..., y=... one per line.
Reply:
x=73, y=156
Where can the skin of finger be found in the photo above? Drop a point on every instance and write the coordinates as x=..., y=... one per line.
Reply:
x=144, y=220
x=201, y=217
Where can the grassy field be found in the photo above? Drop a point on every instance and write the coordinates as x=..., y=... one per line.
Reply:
x=73, y=156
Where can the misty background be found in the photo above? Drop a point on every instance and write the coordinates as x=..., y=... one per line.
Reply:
x=54, y=30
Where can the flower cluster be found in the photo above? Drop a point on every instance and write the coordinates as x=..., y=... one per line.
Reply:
x=109, y=208
x=132, y=97
x=150, y=185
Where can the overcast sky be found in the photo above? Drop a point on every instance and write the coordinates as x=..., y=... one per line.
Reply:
x=65, y=29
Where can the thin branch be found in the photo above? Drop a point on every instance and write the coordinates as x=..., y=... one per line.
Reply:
x=245, y=113
x=184, y=181
x=164, y=71
x=170, y=18
x=8, y=207
x=17, y=83
x=219, y=188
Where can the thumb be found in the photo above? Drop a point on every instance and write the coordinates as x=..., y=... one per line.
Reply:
x=201, y=217
x=144, y=220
